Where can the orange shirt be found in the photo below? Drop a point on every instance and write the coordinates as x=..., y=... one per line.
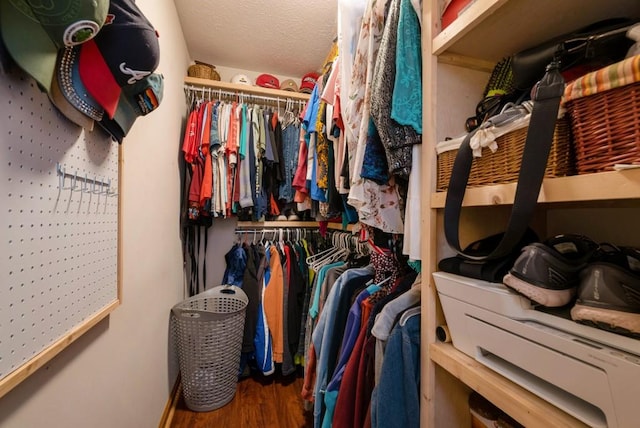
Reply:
x=274, y=304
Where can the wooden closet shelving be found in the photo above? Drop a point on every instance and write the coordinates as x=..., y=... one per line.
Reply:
x=456, y=67
x=496, y=388
x=614, y=185
x=287, y=223
x=244, y=89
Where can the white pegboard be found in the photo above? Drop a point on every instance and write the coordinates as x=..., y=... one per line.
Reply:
x=59, y=246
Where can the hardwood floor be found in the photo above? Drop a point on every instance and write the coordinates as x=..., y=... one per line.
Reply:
x=260, y=402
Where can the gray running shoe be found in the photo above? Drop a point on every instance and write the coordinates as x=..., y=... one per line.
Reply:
x=547, y=272
x=609, y=291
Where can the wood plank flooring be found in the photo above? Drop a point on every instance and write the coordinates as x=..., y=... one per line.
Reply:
x=260, y=402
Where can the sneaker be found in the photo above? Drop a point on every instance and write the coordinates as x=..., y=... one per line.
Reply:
x=293, y=217
x=609, y=292
x=547, y=272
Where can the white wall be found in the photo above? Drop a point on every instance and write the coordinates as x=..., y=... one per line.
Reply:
x=119, y=374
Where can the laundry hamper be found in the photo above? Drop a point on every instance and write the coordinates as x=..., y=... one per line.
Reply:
x=208, y=330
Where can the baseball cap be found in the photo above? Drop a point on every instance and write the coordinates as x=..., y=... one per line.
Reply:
x=34, y=30
x=125, y=51
x=69, y=94
x=136, y=100
x=268, y=81
x=241, y=79
x=289, y=85
x=308, y=82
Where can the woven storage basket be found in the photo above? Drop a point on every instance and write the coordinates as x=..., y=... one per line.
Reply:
x=208, y=330
x=203, y=71
x=503, y=166
x=606, y=128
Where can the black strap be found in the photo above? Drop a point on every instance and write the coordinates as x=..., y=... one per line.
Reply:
x=190, y=237
x=205, y=230
x=546, y=96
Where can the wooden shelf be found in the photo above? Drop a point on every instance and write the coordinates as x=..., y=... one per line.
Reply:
x=517, y=402
x=245, y=89
x=493, y=29
x=454, y=75
x=614, y=185
x=276, y=224
x=286, y=223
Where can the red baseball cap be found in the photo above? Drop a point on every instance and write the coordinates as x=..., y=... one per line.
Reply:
x=268, y=81
x=309, y=82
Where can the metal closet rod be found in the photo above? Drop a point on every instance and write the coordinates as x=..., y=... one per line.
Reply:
x=276, y=229
x=220, y=92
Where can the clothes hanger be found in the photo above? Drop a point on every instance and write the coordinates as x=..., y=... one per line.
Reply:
x=280, y=240
x=372, y=287
x=384, y=281
x=408, y=314
x=318, y=256
x=191, y=99
x=331, y=255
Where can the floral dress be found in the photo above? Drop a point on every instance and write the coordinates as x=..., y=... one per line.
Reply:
x=377, y=205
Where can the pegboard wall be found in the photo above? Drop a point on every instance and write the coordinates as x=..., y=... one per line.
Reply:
x=59, y=214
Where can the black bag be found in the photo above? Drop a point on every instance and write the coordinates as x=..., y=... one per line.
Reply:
x=487, y=259
x=579, y=52
x=486, y=270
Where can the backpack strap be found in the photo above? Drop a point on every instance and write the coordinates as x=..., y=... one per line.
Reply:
x=546, y=95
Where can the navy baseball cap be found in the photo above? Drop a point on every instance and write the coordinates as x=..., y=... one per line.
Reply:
x=126, y=50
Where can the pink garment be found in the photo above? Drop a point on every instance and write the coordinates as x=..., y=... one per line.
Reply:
x=300, y=177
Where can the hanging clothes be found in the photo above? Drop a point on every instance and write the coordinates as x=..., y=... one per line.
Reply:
x=276, y=280
x=395, y=401
x=330, y=328
x=397, y=139
x=236, y=156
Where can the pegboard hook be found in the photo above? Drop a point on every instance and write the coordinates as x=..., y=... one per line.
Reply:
x=93, y=186
x=62, y=174
x=109, y=192
x=85, y=185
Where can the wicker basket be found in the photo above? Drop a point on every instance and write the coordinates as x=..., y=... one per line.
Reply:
x=203, y=71
x=606, y=128
x=503, y=166
x=208, y=330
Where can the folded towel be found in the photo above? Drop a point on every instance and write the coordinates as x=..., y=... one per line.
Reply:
x=612, y=76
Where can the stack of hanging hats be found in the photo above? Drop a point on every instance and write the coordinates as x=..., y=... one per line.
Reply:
x=95, y=59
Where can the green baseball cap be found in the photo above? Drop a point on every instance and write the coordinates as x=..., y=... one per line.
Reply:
x=34, y=30
x=138, y=99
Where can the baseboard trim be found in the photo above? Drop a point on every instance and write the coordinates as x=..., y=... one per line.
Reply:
x=172, y=403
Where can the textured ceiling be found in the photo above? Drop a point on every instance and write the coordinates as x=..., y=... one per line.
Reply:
x=283, y=37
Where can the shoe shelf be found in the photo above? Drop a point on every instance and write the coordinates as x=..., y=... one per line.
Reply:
x=604, y=186
x=522, y=405
x=457, y=63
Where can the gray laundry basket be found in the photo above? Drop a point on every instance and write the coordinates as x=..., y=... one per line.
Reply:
x=208, y=330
